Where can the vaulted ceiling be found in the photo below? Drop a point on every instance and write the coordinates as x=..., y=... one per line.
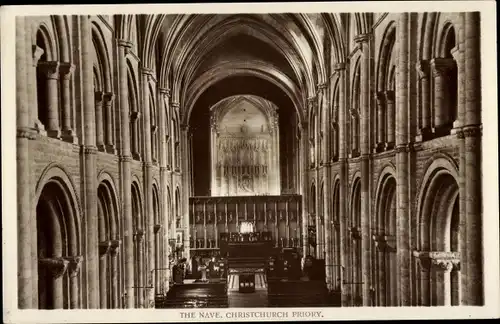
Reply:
x=262, y=53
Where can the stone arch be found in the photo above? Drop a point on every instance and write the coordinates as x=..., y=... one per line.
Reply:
x=439, y=219
x=335, y=250
x=384, y=241
x=63, y=39
x=135, y=113
x=354, y=125
x=354, y=246
x=109, y=244
x=102, y=55
x=58, y=240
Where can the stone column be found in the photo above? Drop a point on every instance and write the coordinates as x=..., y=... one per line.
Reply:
x=184, y=208
x=51, y=70
x=66, y=69
x=148, y=187
x=114, y=269
x=440, y=70
x=57, y=267
x=381, y=121
x=340, y=70
x=24, y=200
x=425, y=267
x=391, y=119
x=89, y=157
x=98, y=120
x=125, y=176
x=104, y=248
x=74, y=264
x=364, y=41
x=36, y=53
x=304, y=133
x=473, y=141
x=425, y=99
x=139, y=236
x=402, y=166
x=165, y=213
x=108, y=98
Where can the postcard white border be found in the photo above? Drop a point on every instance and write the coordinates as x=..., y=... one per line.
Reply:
x=489, y=167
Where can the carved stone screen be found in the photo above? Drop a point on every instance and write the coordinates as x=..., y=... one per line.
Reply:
x=245, y=147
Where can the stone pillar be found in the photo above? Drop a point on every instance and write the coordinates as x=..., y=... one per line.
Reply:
x=364, y=41
x=110, y=120
x=381, y=121
x=24, y=200
x=74, y=264
x=472, y=132
x=425, y=99
x=391, y=119
x=51, y=70
x=440, y=70
x=402, y=166
x=99, y=120
x=340, y=70
x=424, y=284
x=184, y=208
x=66, y=69
x=462, y=230
x=139, y=236
x=114, y=272
x=148, y=188
x=57, y=267
x=126, y=183
x=89, y=157
x=36, y=53
x=104, y=248
x=304, y=133
x=165, y=213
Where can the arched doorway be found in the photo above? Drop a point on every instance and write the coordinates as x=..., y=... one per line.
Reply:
x=108, y=247
x=385, y=272
x=439, y=255
x=57, y=248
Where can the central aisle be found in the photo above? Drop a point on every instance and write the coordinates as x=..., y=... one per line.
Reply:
x=255, y=299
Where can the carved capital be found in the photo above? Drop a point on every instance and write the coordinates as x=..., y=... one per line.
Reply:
x=104, y=248
x=157, y=228
x=437, y=260
x=114, y=247
x=98, y=95
x=389, y=96
x=124, y=43
x=125, y=158
x=422, y=68
x=401, y=149
x=338, y=67
x=455, y=52
x=89, y=149
x=108, y=97
x=66, y=69
x=37, y=53
x=380, y=97
x=472, y=131
x=441, y=66
x=164, y=91
x=134, y=115
x=50, y=69
x=56, y=266
x=26, y=133
x=385, y=243
x=74, y=265
x=174, y=105
x=322, y=86
x=355, y=233
x=139, y=235
x=362, y=38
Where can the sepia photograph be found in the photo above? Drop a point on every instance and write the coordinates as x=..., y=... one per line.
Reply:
x=243, y=162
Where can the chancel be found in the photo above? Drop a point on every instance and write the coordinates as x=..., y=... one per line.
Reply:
x=249, y=160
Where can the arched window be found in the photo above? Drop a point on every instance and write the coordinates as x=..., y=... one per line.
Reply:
x=355, y=112
x=445, y=74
